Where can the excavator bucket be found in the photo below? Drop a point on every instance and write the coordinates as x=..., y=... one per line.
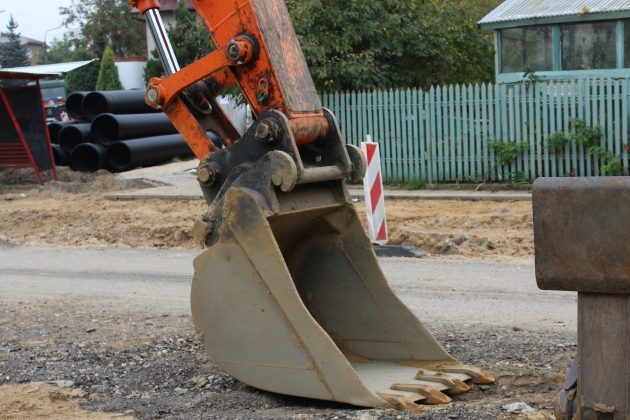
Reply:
x=290, y=298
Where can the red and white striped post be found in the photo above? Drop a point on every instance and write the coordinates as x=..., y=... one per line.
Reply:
x=374, y=197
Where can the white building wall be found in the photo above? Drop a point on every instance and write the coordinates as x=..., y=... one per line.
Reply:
x=131, y=74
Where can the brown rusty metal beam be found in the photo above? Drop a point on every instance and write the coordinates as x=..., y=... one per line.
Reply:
x=578, y=234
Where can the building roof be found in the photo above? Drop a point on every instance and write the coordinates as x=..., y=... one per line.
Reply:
x=512, y=13
x=36, y=72
x=24, y=40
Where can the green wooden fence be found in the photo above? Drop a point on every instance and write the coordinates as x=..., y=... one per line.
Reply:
x=444, y=134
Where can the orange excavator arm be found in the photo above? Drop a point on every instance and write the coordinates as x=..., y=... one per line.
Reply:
x=266, y=63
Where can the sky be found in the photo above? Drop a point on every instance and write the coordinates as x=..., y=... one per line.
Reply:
x=34, y=17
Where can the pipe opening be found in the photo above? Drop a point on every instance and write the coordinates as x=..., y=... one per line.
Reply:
x=70, y=137
x=74, y=104
x=105, y=129
x=119, y=156
x=60, y=157
x=93, y=104
x=87, y=157
x=53, y=131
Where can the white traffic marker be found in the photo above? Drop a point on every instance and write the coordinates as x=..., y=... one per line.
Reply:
x=374, y=197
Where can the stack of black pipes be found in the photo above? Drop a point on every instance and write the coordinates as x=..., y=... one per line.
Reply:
x=114, y=130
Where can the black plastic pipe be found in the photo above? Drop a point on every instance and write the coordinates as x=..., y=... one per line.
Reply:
x=128, y=154
x=55, y=127
x=88, y=157
x=115, y=102
x=71, y=136
x=108, y=128
x=74, y=106
x=60, y=157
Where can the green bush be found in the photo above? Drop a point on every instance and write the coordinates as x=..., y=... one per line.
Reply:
x=507, y=152
x=108, y=73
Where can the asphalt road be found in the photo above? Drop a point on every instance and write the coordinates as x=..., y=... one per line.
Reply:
x=156, y=281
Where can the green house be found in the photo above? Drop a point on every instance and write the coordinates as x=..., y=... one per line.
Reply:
x=560, y=39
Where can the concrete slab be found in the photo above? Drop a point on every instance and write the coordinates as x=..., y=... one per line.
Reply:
x=180, y=183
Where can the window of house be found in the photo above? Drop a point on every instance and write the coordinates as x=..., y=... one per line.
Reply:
x=526, y=49
x=588, y=46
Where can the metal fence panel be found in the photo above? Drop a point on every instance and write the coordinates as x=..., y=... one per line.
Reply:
x=445, y=134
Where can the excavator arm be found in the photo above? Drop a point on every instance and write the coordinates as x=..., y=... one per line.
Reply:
x=288, y=296
x=256, y=49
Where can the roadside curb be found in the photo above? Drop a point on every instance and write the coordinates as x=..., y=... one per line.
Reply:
x=174, y=193
x=407, y=251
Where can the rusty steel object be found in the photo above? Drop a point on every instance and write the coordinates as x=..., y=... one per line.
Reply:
x=581, y=246
x=576, y=234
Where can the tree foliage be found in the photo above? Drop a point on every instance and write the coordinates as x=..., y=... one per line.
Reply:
x=12, y=52
x=189, y=38
x=108, y=73
x=62, y=50
x=83, y=78
x=355, y=44
x=107, y=22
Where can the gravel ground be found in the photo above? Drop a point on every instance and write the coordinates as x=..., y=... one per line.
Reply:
x=154, y=367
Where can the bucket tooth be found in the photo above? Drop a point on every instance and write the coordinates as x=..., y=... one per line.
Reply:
x=432, y=395
x=478, y=376
x=405, y=402
x=455, y=386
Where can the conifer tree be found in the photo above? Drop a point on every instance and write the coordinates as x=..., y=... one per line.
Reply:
x=108, y=73
x=12, y=52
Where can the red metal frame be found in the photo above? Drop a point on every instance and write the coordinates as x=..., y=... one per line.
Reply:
x=13, y=155
x=18, y=154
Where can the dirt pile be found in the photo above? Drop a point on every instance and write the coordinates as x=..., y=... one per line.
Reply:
x=72, y=211
x=466, y=228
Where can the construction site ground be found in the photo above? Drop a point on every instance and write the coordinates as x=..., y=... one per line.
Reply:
x=135, y=353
